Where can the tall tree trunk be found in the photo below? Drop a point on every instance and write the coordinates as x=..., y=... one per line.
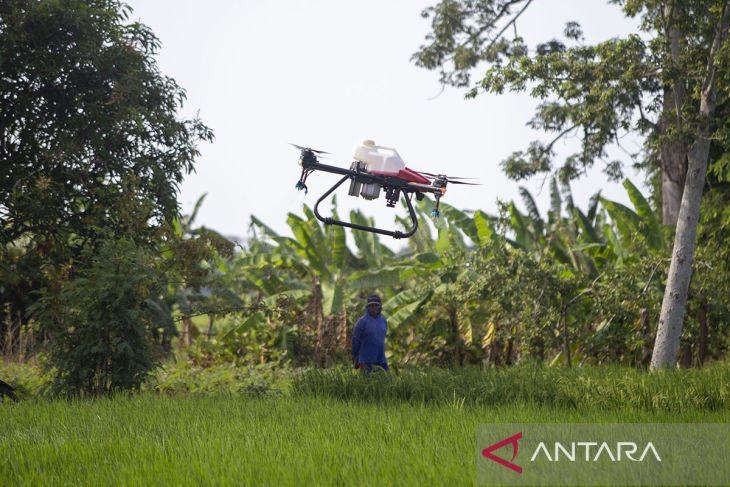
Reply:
x=680, y=270
x=674, y=169
x=673, y=151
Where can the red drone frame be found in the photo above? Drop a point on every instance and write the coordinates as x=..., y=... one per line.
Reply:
x=367, y=183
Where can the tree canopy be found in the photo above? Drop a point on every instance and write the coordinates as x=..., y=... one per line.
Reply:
x=664, y=85
x=92, y=151
x=90, y=136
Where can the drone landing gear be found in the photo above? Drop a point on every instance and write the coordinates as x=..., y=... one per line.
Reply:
x=393, y=199
x=301, y=184
x=435, y=212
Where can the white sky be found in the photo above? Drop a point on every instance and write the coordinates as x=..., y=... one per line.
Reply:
x=327, y=73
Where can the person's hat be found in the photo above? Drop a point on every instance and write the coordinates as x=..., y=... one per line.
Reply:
x=374, y=299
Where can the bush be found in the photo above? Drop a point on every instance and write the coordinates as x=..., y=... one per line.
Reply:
x=99, y=324
x=184, y=378
x=28, y=380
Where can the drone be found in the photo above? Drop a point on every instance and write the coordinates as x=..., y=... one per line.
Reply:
x=377, y=170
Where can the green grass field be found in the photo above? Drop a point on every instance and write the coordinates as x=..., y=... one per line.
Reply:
x=307, y=437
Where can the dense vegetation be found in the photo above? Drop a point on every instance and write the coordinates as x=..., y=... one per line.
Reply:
x=102, y=280
x=578, y=287
x=238, y=352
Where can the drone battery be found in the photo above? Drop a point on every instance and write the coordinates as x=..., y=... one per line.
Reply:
x=354, y=187
x=370, y=191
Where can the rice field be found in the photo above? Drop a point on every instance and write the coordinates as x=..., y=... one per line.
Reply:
x=322, y=430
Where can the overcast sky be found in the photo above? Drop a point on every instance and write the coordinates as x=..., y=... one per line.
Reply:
x=327, y=73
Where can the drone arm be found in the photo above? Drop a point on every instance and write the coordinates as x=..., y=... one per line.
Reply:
x=315, y=165
x=435, y=190
x=332, y=221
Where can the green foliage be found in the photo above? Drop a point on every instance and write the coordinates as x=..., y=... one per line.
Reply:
x=593, y=91
x=91, y=136
x=645, y=84
x=479, y=289
x=29, y=380
x=529, y=287
x=92, y=146
x=183, y=378
x=101, y=327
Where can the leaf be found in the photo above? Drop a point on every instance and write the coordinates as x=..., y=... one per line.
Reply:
x=593, y=206
x=267, y=230
x=427, y=258
x=616, y=246
x=338, y=244
x=401, y=307
x=489, y=335
x=460, y=220
x=332, y=294
x=485, y=231
x=444, y=240
x=532, y=210
x=304, y=235
x=366, y=242
x=567, y=195
x=177, y=227
x=555, y=202
x=626, y=220
x=588, y=232
x=161, y=310
x=190, y=219
x=560, y=250
x=246, y=325
x=650, y=227
x=519, y=224
x=374, y=279
x=315, y=229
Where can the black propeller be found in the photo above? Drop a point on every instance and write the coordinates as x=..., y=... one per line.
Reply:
x=308, y=149
x=435, y=176
x=462, y=182
x=440, y=179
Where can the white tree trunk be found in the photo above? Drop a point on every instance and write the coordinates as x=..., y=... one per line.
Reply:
x=671, y=318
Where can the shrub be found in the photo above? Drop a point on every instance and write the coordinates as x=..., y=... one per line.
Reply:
x=99, y=324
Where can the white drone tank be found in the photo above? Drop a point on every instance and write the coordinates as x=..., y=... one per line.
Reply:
x=378, y=159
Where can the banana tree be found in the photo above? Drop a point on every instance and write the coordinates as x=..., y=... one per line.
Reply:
x=320, y=262
x=568, y=234
x=427, y=317
x=630, y=228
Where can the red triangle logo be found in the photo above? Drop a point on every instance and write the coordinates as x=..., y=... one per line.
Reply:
x=512, y=440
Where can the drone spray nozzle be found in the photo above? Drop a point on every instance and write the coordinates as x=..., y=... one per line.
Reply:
x=435, y=213
x=301, y=186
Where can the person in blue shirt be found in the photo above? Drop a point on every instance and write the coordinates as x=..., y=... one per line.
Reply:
x=368, y=337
